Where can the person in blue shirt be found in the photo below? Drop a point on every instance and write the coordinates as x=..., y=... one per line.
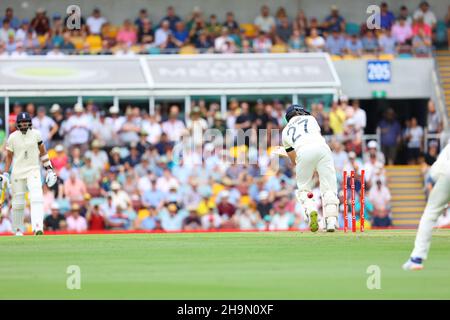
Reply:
x=181, y=33
x=335, y=43
x=354, y=46
x=171, y=17
x=387, y=18
x=153, y=196
x=149, y=222
x=370, y=42
x=334, y=21
x=14, y=22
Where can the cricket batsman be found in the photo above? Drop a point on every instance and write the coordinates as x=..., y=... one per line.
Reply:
x=309, y=151
x=438, y=199
x=24, y=151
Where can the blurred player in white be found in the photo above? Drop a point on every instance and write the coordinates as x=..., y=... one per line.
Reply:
x=309, y=151
x=24, y=151
x=437, y=201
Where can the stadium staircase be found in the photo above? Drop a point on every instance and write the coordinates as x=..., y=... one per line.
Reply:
x=406, y=183
x=443, y=64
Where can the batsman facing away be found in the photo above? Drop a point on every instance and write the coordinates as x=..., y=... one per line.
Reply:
x=309, y=151
x=24, y=150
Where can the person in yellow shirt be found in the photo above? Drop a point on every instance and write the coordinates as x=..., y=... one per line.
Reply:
x=337, y=118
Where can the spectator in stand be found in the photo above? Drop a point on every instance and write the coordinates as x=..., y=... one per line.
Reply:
x=46, y=125
x=370, y=42
x=171, y=17
x=265, y=22
x=90, y=176
x=226, y=209
x=78, y=128
x=359, y=115
x=181, y=33
x=264, y=206
x=421, y=44
x=149, y=222
x=387, y=42
x=119, y=197
x=387, y=18
x=426, y=14
x=284, y=29
x=296, y=41
x=301, y=22
x=95, y=22
x=41, y=23
x=171, y=219
x=353, y=46
x=145, y=32
x=203, y=43
x=213, y=27
x=162, y=33
x=230, y=21
x=404, y=13
x=127, y=33
x=54, y=221
x=414, y=139
x=380, y=197
x=21, y=33
x=67, y=46
x=60, y=160
x=76, y=222
x=173, y=127
x=131, y=127
x=141, y=19
x=262, y=44
x=221, y=43
x=390, y=131
x=13, y=20
x=5, y=224
x=315, y=42
x=119, y=220
x=334, y=21
x=192, y=221
x=420, y=26
x=335, y=43
x=95, y=219
x=74, y=187
x=434, y=122
x=372, y=149
x=402, y=31
x=337, y=118
x=6, y=31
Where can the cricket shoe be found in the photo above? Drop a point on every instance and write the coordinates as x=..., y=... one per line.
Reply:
x=39, y=233
x=413, y=264
x=331, y=223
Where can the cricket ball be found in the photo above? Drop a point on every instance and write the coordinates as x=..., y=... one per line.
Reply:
x=310, y=195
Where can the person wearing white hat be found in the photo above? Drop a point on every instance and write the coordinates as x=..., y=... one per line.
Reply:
x=373, y=151
x=78, y=128
x=53, y=221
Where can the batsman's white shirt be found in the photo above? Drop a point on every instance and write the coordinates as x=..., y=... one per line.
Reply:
x=302, y=131
x=25, y=149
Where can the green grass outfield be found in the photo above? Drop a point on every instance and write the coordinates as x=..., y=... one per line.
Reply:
x=273, y=265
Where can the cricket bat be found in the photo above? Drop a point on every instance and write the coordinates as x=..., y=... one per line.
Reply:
x=3, y=191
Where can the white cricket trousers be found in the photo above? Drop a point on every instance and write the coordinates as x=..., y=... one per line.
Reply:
x=437, y=200
x=316, y=158
x=33, y=184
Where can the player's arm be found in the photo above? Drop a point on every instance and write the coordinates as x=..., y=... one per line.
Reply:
x=8, y=160
x=291, y=154
x=50, y=178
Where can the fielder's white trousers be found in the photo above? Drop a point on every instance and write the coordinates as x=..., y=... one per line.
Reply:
x=33, y=184
x=437, y=200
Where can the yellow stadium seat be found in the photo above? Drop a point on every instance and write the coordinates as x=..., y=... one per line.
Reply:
x=94, y=42
x=78, y=42
x=249, y=29
x=188, y=50
x=42, y=39
x=336, y=58
x=369, y=56
x=136, y=48
x=348, y=57
x=385, y=56
x=279, y=48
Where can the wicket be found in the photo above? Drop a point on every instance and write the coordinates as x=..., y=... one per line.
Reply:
x=352, y=199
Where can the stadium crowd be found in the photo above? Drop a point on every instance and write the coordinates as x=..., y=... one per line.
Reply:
x=406, y=33
x=122, y=169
